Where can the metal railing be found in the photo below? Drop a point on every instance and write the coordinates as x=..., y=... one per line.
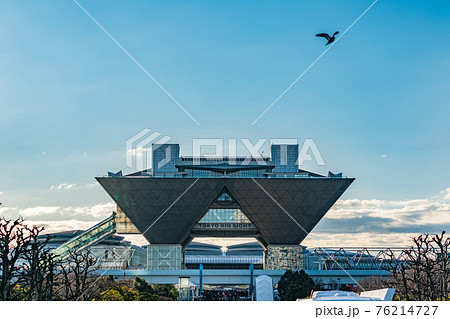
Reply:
x=351, y=258
x=184, y=175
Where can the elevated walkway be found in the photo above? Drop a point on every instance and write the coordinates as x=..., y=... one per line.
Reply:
x=91, y=236
x=240, y=276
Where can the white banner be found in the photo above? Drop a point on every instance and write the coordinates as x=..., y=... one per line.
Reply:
x=226, y=309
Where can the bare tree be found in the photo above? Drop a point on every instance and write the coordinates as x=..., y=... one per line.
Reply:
x=14, y=238
x=422, y=271
x=29, y=270
x=77, y=276
x=39, y=270
x=372, y=283
x=443, y=264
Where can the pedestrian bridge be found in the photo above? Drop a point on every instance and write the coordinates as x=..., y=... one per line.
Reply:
x=241, y=276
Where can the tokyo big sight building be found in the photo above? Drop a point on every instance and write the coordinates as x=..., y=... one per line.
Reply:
x=180, y=198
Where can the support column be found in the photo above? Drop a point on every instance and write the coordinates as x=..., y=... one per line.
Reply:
x=165, y=257
x=283, y=257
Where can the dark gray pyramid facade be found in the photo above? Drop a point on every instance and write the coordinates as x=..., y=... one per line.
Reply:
x=270, y=204
x=166, y=209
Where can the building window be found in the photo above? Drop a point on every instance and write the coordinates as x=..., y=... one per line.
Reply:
x=219, y=215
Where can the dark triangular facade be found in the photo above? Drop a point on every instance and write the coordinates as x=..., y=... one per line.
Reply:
x=283, y=210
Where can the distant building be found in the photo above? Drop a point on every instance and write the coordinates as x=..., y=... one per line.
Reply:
x=113, y=252
x=183, y=197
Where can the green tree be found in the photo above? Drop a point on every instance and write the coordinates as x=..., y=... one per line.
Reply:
x=166, y=290
x=143, y=286
x=145, y=290
x=293, y=285
x=154, y=292
x=145, y=296
x=119, y=293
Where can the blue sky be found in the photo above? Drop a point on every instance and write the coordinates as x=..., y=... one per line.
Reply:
x=70, y=98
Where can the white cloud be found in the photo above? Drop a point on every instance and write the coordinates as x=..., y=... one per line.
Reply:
x=61, y=225
x=1, y=193
x=59, y=213
x=433, y=210
x=136, y=239
x=355, y=222
x=63, y=186
x=92, y=184
x=384, y=155
x=100, y=210
x=140, y=152
x=446, y=193
x=359, y=240
x=38, y=211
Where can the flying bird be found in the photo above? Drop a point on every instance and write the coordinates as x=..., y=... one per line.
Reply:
x=327, y=36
